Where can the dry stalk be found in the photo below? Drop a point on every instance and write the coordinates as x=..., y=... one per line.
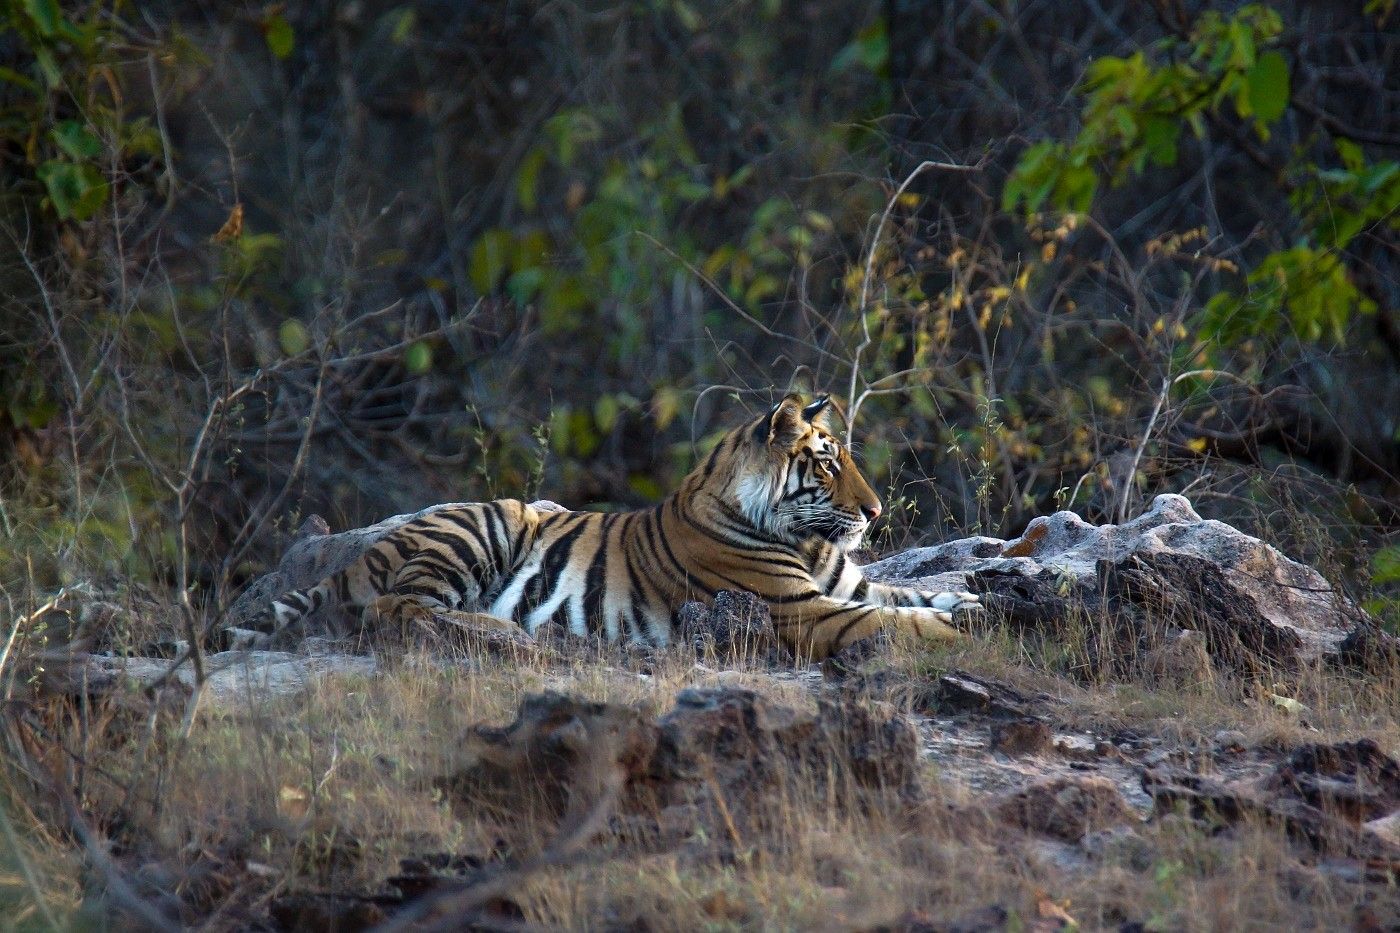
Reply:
x=854, y=402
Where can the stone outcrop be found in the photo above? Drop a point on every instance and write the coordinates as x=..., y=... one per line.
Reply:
x=1340, y=799
x=733, y=627
x=1189, y=594
x=1066, y=808
x=1165, y=572
x=721, y=757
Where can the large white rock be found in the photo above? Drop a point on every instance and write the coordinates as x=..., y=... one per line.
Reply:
x=1168, y=555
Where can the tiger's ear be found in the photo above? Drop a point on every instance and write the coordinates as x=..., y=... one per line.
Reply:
x=785, y=422
x=819, y=412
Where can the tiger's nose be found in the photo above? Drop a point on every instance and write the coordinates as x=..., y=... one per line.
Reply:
x=872, y=512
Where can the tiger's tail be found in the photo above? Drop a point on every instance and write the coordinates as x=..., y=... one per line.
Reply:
x=281, y=614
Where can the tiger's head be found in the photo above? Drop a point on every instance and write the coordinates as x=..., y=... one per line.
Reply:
x=796, y=481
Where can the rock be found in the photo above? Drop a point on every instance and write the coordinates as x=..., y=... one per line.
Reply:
x=234, y=679
x=1020, y=737
x=1231, y=741
x=735, y=628
x=991, y=919
x=1183, y=661
x=961, y=692
x=1066, y=808
x=464, y=639
x=1168, y=568
x=1332, y=798
x=754, y=749
x=560, y=754
x=1354, y=781
x=1251, y=604
x=343, y=913
x=850, y=660
x=1369, y=648
x=723, y=757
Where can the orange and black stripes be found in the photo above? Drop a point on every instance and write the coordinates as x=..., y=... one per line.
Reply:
x=772, y=510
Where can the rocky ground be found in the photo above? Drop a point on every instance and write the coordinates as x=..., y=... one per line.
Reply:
x=1159, y=725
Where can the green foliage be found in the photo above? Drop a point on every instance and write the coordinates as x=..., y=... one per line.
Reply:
x=61, y=114
x=1307, y=287
x=1134, y=112
x=1338, y=203
x=62, y=107
x=1135, y=108
x=601, y=269
x=279, y=35
x=1385, y=565
x=870, y=49
x=292, y=337
x=1385, y=573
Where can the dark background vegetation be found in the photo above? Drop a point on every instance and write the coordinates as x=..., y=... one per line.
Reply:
x=262, y=260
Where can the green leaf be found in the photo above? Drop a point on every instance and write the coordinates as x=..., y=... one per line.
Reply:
x=418, y=358
x=563, y=297
x=581, y=434
x=1268, y=87
x=527, y=179
x=14, y=77
x=278, y=33
x=1385, y=565
x=870, y=49
x=1352, y=156
x=525, y=284
x=292, y=337
x=490, y=258
x=605, y=412
x=688, y=17
x=48, y=65
x=75, y=191
x=1159, y=137
x=77, y=140
x=404, y=20
x=45, y=15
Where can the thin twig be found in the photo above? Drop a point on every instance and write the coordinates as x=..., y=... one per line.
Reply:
x=1122, y=510
x=720, y=293
x=69, y=371
x=853, y=402
x=20, y=622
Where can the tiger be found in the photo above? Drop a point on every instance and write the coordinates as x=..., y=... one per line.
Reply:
x=775, y=509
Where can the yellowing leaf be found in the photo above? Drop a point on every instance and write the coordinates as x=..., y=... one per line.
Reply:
x=292, y=337
x=490, y=259
x=233, y=227
x=666, y=405
x=605, y=412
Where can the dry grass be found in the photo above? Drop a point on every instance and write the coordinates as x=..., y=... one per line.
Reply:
x=327, y=790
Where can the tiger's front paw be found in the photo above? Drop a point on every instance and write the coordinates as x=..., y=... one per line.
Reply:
x=955, y=602
x=931, y=624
